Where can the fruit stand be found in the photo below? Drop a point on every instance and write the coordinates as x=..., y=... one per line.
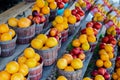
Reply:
x=60, y=40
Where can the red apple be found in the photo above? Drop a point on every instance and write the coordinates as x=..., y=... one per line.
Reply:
x=65, y=1
x=95, y=31
x=118, y=58
x=76, y=51
x=94, y=73
x=89, y=24
x=74, y=56
x=43, y=19
x=97, y=25
x=83, y=31
x=74, y=12
x=78, y=8
x=81, y=13
x=36, y=19
x=30, y=17
x=102, y=45
x=58, y=1
x=101, y=71
x=77, y=17
x=105, y=39
x=107, y=76
x=110, y=36
x=113, y=41
x=60, y=5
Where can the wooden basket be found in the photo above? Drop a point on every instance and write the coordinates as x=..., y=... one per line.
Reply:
x=8, y=47
x=38, y=28
x=64, y=35
x=75, y=75
x=25, y=35
x=49, y=56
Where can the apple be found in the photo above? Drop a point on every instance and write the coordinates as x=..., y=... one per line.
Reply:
x=105, y=39
x=95, y=31
x=74, y=12
x=81, y=56
x=53, y=32
x=76, y=51
x=60, y=5
x=57, y=37
x=107, y=76
x=97, y=25
x=58, y=1
x=83, y=31
x=43, y=19
x=113, y=41
x=65, y=1
x=30, y=17
x=110, y=36
x=35, y=13
x=36, y=19
x=102, y=45
x=77, y=17
x=89, y=24
x=118, y=58
x=77, y=8
x=94, y=73
x=101, y=71
x=81, y=13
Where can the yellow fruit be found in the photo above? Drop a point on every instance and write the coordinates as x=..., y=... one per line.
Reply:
x=65, y=19
x=77, y=4
x=24, y=22
x=4, y=75
x=99, y=77
x=76, y=43
x=89, y=31
x=67, y=12
x=60, y=27
x=83, y=5
x=53, y=5
x=12, y=22
x=11, y=32
x=99, y=63
x=37, y=57
x=6, y=37
x=107, y=64
x=102, y=51
x=77, y=63
x=37, y=43
x=40, y=3
x=91, y=38
x=65, y=25
x=12, y=67
x=59, y=19
x=45, y=48
x=22, y=59
x=36, y=8
x=23, y=69
x=62, y=63
x=115, y=76
x=68, y=57
x=61, y=78
x=42, y=37
x=25, y=78
x=54, y=23
x=69, y=69
x=118, y=71
x=72, y=19
x=17, y=76
x=83, y=38
x=31, y=62
x=50, y=1
x=45, y=10
x=111, y=55
x=104, y=57
x=87, y=78
x=29, y=52
x=97, y=14
x=85, y=46
x=108, y=48
x=4, y=28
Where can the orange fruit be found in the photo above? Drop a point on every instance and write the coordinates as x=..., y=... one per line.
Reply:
x=36, y=8
x=29, y=52
x=108, y=48
x=53, y=5
x=62, y=63
x=118, y=71
x=37, y=43
x=60, y=27
x=102, y=51
x=91, y=38
x=83, y=38
x=65, y=19
x=40, y=3
x=107, y=64
x=99, y=77
x=4, y=28
x=118, y=78
x=61, y=78
x=50, y=1
x=31, y=62
x=111, y=55
x=12, y=67
x=6, y=37
x=65, y=25
x=69, y=69
x=12, y=22
x=99, y=63
x=115, y=76
x=25, y=78
x=81, y=56
x=37, y=57
x=86, y=46
x=59, y=19
x=68, y=57
x=17, y=76
x=104, y=57
x=45, y=10
x=45, y=48
x=22, y=59
x=77, y=63
x=23, y=69
x=89, y=31
x=72, y=19
x=51, y=42
x=42, y=37
x=24, y=22
x=4, y=75
x=87, y=78
x=54, y=23
x=11, y=32
x=76, y=43
x=67, y=12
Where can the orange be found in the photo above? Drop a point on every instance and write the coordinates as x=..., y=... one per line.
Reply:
x=68, y=57
x=77, y=63
x=118, y=71
x=51, y=42
x=76, y=43
x=54, y=23
x=50, y=1
x=40, y=3
x=83, y=38
x=87, y=78
x=72, y=19
x=65, y=19
x=91, y=38
x=17, y=76
x=61, y=78
x=59, y=19
x=118, y=78
x=86, y=46
x=65, y=25
x=4, y=28
x=69, y=69
x=44, y=48
x=99, y=63
x=45, y=10
x=24, y=22
x=37, y=43
x=102, y=51
x=104, y=57
x=4, y=75
x=12, y=22
x=107, y=64
x=12, y=67
x=37, y=57
x=35, y=8
x=108, y=48
x=99, y=77
x=60, y=27
x=42, y=37
x=22, y=59
x=6, y=37
x=82, y=56
x=23, y=69
x=31, y=62
x=89, y=31
x=11, y=32
x=115, y=76
x=29, y=52
x=62, y=63
x=67, y=12
x=53, y=5
x=111, y=55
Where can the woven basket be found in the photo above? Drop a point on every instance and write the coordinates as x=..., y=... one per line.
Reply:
x=49, y=56
x=38, y=28
x=8, y=47
x=25, y=35
x=71, y=29
x=47, y=20
x=64, y=35
x=75, y=75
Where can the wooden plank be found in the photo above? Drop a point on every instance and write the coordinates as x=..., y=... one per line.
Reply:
x=14, y=11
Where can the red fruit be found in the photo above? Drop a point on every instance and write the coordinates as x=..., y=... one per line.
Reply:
x=43, y=19
x=105, y=39
x=83, y=31
x=74, y=56
x=60, y=5
x=57, y=37
x=95, y=31
x=78, y=8
x=77, y=17
x=94, y=73
x=36, y=19
x=58, y=1
x=110, y=36
x=76, y=51
x=107, y=76
x=102, y=45
x=101, y=71
x=74, y=12
x=97, y=25
x=65, y=1
x=89, y=24
x=113, y=41
x=81, y=13
x=118, y=58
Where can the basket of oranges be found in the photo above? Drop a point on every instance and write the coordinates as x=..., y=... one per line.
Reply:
x=7, y=40
x=24, y=28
